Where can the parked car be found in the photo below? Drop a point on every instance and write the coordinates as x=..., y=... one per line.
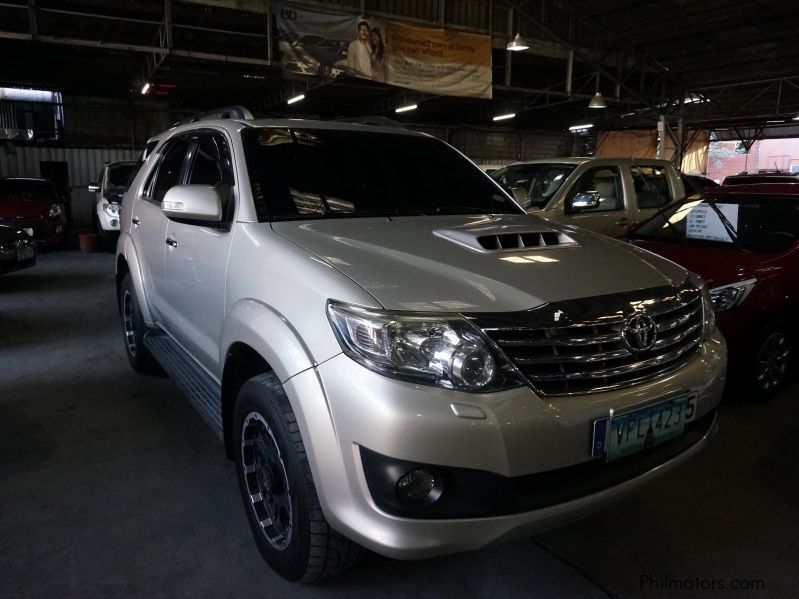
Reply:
x=751, y=265
x=746, y=178
x=17, y=249
x=111, y=185
x=605, y=195
x=395, y=354
x=698, y=183
x=34, y=206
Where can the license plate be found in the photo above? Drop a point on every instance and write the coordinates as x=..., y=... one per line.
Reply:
x=24, y=254
x=624, y=434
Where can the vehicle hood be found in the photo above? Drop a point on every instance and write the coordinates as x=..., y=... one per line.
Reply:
x=716, y=265
x=24, y=206
x=430, y=263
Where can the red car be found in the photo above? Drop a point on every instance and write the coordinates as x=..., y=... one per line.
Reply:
x=744, y=241
x=34, y=206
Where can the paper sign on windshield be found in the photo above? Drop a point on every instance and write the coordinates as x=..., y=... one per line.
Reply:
x=705, y=224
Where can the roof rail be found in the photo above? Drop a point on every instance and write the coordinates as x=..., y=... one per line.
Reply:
x=227, y=112
x=379, y=121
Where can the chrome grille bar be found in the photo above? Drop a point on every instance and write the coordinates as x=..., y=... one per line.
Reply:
x=576, y=346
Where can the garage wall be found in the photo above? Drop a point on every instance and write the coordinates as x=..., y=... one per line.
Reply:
x=489, y=146
x=643, y=144
x=83, y=166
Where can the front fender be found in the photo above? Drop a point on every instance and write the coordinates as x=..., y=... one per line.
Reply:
x=270, y=334
x=132, y=258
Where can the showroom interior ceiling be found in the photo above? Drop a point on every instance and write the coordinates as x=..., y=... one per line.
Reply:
x=713, y=63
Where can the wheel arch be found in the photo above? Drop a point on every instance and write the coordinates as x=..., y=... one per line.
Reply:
x=257, y=339
x=128, y=263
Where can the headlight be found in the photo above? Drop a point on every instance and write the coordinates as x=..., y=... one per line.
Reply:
x=729, y=296
x=111, y=209
x=55, y=210
x=432, y=349
x=708, y=314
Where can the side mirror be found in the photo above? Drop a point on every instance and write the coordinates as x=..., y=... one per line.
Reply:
x=94, y=187
x=522, y=197
x=192, y=202
x=586, y=200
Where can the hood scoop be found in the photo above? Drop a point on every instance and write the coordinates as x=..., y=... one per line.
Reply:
x=505, y=238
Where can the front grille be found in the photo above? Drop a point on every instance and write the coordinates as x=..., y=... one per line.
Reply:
x=576, y=346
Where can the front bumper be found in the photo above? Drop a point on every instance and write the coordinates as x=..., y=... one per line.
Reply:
x=513, y=438
x=107, y=223
x=17, y=255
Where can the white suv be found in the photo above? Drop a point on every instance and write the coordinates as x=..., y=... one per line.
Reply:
x=111, y=185
x=395, y=355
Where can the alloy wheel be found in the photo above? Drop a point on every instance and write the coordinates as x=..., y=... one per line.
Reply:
x=128, y=320
x=266, y=480
x=772, y=361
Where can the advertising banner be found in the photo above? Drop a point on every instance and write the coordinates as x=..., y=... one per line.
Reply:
x=429, y=60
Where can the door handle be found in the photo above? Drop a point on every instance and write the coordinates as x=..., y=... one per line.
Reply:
x=171, y=242
x=135, y=220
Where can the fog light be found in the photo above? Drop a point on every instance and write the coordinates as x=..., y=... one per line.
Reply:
x=419, y=486
x=114, y=222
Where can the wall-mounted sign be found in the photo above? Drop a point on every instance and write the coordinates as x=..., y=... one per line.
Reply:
x=421, y=58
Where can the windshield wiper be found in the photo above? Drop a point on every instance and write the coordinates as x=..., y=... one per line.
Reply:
x=725, y=222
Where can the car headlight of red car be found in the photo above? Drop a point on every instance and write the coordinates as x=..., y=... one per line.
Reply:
x=729, y=296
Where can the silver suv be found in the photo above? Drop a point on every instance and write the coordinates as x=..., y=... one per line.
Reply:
x=394, y=354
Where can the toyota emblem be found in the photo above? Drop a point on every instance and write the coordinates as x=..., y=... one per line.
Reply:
x=639, y=333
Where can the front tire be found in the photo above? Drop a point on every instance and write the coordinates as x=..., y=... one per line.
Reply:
x=133, y=329
x=771, y=361
x=277, y=488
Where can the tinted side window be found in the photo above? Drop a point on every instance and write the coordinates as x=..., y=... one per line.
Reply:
x=605, y=181
x=651, y=186
x=211, y=162
x=170, y=169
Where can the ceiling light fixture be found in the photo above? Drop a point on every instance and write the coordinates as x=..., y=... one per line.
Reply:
x=518, y=43
x=294, y=99
x=503, y=117
x=579, y=127
x=406, y=108
x=145, y=88
x=597, y=101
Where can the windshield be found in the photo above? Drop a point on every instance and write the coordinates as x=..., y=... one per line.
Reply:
x=10, y=188
x=533, y=183
x=756, y=223
x=119, y=175
x=310, y=173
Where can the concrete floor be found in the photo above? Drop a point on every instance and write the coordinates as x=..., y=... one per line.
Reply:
x=111, y=486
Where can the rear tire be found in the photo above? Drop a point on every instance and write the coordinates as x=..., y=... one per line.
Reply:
x=277, y=488
x=133, y=329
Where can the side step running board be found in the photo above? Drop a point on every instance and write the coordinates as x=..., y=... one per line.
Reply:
x=203, y=392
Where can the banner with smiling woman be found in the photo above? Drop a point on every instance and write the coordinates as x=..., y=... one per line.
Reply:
x=429, y=60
